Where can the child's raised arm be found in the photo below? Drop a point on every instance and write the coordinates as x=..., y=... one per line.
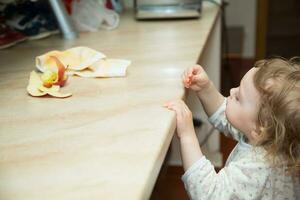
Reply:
x=196, y=78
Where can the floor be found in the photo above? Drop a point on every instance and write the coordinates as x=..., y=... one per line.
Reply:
x=169, y=185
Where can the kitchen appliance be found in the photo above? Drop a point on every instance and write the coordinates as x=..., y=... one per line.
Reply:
x=164, y=9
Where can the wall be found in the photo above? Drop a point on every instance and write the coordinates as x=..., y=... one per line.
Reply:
x=243, y=13
x=238, y=13
x=128, y=3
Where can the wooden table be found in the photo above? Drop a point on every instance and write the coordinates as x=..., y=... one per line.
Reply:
x=108, y=140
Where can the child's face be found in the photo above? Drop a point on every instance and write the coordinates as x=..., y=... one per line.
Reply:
x=243, y=104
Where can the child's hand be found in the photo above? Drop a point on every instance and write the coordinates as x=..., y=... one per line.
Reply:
x=195, y=78
x=184, y=118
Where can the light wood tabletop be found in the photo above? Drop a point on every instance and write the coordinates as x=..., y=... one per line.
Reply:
x=109, y=140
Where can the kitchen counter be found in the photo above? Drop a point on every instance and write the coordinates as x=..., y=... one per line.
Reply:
x=109, y=140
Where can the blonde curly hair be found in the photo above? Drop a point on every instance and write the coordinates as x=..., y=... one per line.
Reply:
x=278, y=82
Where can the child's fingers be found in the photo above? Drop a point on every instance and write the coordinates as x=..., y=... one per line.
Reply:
x=192, y=70
x=178, y=103
x=198, y=78
x=195, y=79
x=184, y=80
x=178, y=110
x=169, y=104
x=186, y=73
x=183, y=106
x=189, y=74
x=187, y=82
x=197, y=69
x=186, y=109
x=175, y=105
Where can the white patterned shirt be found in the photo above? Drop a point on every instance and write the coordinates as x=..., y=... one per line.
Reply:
x=246, y=175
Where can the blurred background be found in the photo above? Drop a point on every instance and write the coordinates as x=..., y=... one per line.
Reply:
x=251, y=30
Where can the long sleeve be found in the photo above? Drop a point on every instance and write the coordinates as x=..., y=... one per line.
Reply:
x=249, y=177
x=242, y=179
x=220, y=122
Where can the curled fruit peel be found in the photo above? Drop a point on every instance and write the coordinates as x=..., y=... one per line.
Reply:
x=36, y=88
x=51, y=78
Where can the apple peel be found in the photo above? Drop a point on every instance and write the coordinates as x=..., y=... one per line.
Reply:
x=35, y=87
x=62, y=78
x=77, y=58
x=79, y=61
x=104, y=68
x=50, y=78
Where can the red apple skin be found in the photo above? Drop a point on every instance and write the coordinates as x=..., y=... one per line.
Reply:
x=61, y=72
x=61, y=83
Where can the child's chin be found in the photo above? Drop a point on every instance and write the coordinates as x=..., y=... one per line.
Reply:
x=227, y=115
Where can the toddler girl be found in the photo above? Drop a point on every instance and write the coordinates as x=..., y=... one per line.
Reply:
x=263, y=115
